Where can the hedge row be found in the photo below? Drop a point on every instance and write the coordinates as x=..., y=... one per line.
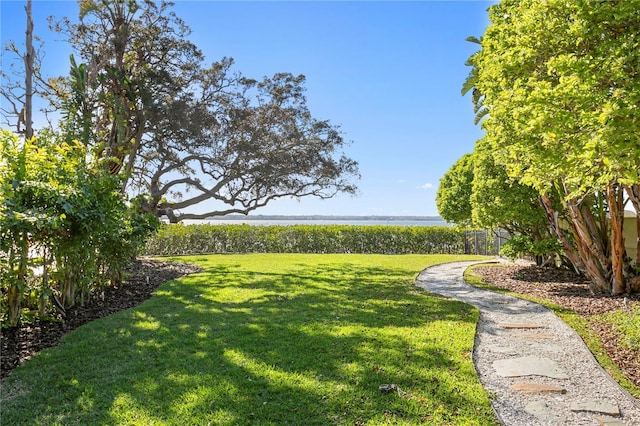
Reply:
x=197, y=239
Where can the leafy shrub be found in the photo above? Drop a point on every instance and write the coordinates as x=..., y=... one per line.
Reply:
x=62, y=215
x=517, y=246
x=177, y=239
x=524, y=245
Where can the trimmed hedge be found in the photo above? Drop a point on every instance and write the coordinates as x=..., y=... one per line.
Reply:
x=180, y=239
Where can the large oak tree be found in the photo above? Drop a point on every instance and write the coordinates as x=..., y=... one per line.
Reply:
x=182, y=133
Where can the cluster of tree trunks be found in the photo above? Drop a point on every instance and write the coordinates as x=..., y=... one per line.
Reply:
x=592, y=238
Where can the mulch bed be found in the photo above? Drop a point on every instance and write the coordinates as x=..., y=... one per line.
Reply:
x=568, y=290
x=17, y=344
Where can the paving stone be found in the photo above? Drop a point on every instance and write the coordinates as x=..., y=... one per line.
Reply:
x=520, y=326
x=543, y=412
x=533, y=387
x=595, y=406
x=528, y=366
x=608, y=421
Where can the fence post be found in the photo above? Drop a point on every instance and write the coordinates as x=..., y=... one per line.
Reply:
x=486, y=242
x=475, y=242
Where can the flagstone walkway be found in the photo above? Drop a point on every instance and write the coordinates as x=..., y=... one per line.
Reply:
x=535, y=368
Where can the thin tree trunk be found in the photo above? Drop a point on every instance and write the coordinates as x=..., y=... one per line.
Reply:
x=28, y=68
x=133, y=154
x=569, y=250
x=45, y=288
x=13, y=292
x=616, y=213
x=588, y=242
x=598, y=229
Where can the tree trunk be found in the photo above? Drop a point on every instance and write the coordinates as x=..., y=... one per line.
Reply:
x=45, y=288
x=615, y=200
x=597, y=265
x=13, y=292
x=28, y=79
x=14, y=296
x=633, y=192
x=18, y=284
x=569, y=250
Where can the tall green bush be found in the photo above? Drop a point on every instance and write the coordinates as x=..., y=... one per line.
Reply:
x=65, y=231
x=177, y=239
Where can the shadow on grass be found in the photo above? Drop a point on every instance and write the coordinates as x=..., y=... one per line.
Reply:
x=310, y=346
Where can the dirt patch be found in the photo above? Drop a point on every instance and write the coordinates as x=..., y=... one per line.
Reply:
x=20, y=343
x=570, y=291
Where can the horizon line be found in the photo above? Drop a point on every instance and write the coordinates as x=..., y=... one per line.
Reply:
x=323, y=216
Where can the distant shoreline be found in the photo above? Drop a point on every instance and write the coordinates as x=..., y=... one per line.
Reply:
x=328, y=218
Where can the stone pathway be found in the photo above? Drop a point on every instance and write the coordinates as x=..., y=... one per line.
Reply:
x=535, y=368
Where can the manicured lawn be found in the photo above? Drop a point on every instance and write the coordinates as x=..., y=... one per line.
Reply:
x=267, y=339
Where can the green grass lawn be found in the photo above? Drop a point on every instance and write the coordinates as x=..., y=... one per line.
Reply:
x=267, y=339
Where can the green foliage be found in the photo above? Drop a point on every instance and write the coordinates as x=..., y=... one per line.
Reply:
x=476, y=191
x=562, y=81
x=454, y=192
x=524, y=245
x=62, y=216
x=500, y=201
x=191, y=239
x=517, y=246
x=266, y=340
x=546, y=247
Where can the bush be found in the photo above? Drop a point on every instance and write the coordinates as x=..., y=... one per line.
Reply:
x=63, y=216
x=518, y=245
x=177, y=239
x=523, y=245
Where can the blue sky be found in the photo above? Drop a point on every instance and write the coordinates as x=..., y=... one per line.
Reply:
x=388, y=73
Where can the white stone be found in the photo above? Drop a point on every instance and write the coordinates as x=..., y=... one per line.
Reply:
x=543, y=412
x=594, y=406
x=528, y=366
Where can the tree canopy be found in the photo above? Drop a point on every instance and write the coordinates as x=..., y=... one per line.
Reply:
x=476, y=192
x=556, y=86
x=500, y=201
x=453, y=197
x=182, y=133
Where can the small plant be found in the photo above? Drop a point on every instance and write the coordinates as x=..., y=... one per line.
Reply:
x=627, y=323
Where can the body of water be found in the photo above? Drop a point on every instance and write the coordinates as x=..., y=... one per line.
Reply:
x=324, y=221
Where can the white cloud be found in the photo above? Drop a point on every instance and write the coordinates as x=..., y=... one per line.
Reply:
x=426, y=186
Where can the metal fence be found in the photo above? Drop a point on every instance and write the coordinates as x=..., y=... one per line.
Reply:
x=485, y=242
